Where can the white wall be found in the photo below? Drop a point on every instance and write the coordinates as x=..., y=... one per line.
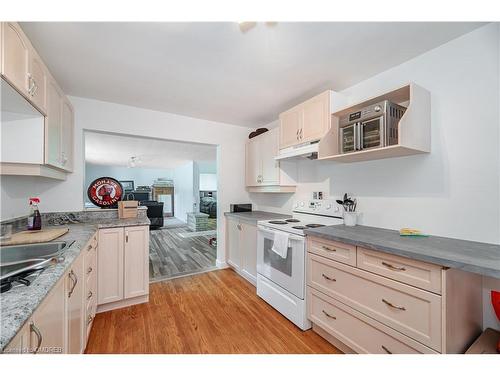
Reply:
x=430, y=191
x=115, y=118
x=455, y=190
x=208, y=181
x=184, y=193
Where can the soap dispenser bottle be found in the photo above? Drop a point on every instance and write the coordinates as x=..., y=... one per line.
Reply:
x=34, y=218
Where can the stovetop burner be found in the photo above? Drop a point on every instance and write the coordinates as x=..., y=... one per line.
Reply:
x=281, y=222
x=314, y=225
x=299, y=227
x=292, y=220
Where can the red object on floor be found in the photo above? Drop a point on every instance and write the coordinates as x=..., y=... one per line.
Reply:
x=495, y=301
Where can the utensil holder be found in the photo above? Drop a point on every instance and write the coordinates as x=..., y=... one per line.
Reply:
x=350, y=218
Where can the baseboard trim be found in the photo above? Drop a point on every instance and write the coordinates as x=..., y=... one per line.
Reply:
x=123, y=303
x=220, y=264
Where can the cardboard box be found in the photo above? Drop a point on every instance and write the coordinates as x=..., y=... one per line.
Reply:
x=127, y=209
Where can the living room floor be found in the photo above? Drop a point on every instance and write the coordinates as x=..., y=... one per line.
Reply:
x=175, y=250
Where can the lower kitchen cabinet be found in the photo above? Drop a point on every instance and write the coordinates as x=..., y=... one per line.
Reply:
x=122, y=264
x=241, y=241
x=48, y=323
x=75, y=306
x=372, y=302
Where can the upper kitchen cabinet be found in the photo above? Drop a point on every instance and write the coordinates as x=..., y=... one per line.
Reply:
x=263, y=173
x=32, y=104
x=15, y=56
x=21, y=65
x=309, y=121
x=395, y=123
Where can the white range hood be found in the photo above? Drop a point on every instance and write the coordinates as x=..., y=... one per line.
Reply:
x=309, y=150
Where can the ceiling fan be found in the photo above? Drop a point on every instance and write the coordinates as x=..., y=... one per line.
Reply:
x=248, y=25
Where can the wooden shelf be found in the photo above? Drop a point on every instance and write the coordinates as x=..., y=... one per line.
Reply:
x=271, y=189
x=414, y=129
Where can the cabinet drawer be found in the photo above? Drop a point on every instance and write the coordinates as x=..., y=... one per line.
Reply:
x=356, y=330
x=411, y=311
x=413, y=272
x=332, y=250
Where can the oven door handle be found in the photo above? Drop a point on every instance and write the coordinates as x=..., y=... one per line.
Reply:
x=360, y=135
x=291, y=237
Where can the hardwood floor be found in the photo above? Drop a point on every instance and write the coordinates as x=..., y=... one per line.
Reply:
x=215, y=312
x=171, y=255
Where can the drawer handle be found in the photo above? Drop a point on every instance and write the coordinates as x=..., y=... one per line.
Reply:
x=89, y=295
x=89, y=270
x=386, y=350
x=328, y=315
x=89, y=319
x=394, y=268
x=393, y=306
x=328, y=248
x=328, y=278
x=39, y=337
x=89, y=247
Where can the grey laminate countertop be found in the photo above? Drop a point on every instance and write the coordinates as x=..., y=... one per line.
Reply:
x=253, y=216
x=18, y=304
x=477, y=257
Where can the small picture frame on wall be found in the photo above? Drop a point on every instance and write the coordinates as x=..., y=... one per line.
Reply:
x=127, y=185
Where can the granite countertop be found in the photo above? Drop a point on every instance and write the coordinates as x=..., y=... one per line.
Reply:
x=253, y=216
x=18, y=304
x=477, y=257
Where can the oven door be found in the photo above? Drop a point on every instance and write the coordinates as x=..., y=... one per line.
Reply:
x=372, y=133
x=347, y=136
x=288, y=273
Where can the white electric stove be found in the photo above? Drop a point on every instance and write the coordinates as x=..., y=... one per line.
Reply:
x=281, y=281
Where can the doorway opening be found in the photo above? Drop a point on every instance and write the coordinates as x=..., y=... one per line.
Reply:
x=176, y=182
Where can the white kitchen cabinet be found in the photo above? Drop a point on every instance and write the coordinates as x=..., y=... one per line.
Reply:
x=248, y=250
x=122, y=267
x=308, y=121
x=90, y=292
x=110, y=265
x=136, y=264
x=263, y=172
x=15, y=56
x=37, y=81
x=48, y=322
x=20, y=344
x=25, y=72
x=67, y=130
x=233, y=242
x=75, y=285
x=242, y=248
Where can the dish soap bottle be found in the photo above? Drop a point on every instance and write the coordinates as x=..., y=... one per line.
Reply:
x=34, y=218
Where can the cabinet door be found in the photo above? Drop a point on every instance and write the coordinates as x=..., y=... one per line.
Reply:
x=38, y=79
x=316, y=118
x=268, y=150
x=110, y=265
x=15, y=54
x=48, y=323
x=233, y=243
x=290, y=124
x=53, y=128
x=136, y=276
x=75, y=285
x=67, y=126
x=20, y=344
x=253, y=166
x=248, y=241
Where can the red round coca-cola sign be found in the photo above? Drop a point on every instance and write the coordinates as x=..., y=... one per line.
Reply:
x=105, y=192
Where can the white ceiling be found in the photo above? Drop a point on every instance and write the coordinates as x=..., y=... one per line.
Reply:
x=214, y=71
x=109, y=149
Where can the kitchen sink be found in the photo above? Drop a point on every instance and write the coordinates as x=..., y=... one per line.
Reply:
x=20, y=258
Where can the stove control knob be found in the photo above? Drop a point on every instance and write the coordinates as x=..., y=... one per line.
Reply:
x=301, y=204
x=328, y=206
x=336, y=208
x=295, y=205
